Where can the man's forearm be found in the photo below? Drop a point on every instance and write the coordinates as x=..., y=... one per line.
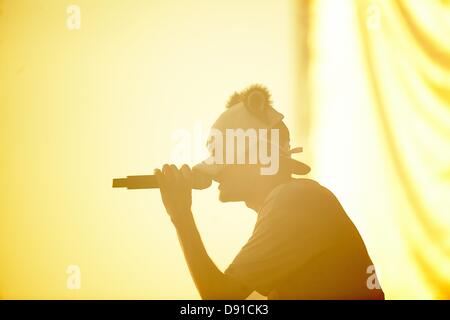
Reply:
x=209, y=280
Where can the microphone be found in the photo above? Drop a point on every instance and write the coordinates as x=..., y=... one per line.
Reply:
x=199, y=182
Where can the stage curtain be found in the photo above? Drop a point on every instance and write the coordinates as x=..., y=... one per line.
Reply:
x=380, y=131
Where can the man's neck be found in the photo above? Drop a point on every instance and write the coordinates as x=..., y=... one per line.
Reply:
x=257, y=200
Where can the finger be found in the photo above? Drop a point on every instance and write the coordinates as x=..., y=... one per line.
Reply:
x=187, y=175
x=159, y=178
x=186, y=172
x=165, y=168
x=176, y=174
x=168, y=176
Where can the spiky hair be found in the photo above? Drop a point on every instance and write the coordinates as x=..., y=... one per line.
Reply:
x=248, y=95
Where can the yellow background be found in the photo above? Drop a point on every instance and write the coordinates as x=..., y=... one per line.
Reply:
x=80, y=107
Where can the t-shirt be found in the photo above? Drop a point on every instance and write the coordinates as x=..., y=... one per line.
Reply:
x=304, y=246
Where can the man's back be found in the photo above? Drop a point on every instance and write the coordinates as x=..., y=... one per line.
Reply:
x=304, y=246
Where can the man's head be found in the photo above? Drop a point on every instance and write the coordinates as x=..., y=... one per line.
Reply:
x=239, y=182
x=249, y=147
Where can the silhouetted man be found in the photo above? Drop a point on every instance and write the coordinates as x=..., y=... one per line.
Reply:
x=303, y=245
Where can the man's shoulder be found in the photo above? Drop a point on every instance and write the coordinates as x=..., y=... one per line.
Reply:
x=298, y=190
x=298, y=195
x=302, y=184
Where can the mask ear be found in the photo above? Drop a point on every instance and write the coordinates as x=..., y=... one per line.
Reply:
x=257, y=100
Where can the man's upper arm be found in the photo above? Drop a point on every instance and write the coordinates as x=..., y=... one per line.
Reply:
x=237, y=289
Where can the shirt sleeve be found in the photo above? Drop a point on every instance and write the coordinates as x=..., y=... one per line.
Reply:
x=285, y=237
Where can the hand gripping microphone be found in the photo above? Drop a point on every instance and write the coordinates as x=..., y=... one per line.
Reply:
x=199, y=182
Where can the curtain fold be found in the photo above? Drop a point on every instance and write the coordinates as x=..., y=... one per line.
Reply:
x=400, y=50
x=417, y=62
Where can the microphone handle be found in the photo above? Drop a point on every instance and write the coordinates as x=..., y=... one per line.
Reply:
x=136, y=182
x=149, y=182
